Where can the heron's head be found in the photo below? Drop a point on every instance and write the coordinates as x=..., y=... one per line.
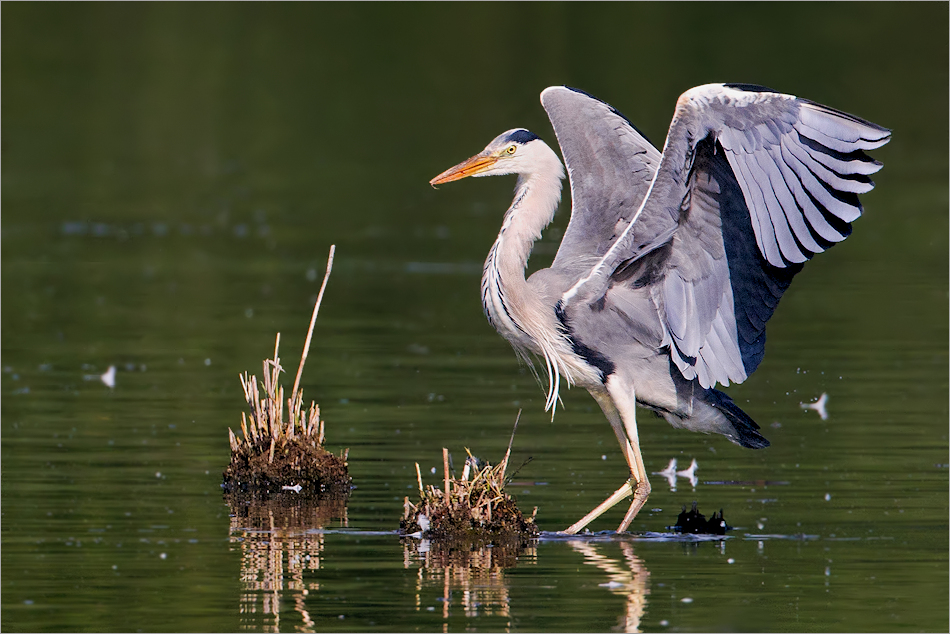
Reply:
x=516, y=151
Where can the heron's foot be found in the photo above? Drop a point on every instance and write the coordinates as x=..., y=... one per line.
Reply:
x=640, y=495
x=619, y=494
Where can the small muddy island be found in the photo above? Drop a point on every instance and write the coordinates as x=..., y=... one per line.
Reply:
x=264, y=464
x=280, y=449
x=472, y=508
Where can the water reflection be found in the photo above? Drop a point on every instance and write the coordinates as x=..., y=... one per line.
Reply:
x=670, y=473
x=276, y=552
x=628, y=578
x=471, y=579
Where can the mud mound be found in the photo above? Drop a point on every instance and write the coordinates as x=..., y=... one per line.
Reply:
x=474, y=508
x=296, y=465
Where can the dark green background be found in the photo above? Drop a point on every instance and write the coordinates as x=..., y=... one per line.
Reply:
x=172, y=178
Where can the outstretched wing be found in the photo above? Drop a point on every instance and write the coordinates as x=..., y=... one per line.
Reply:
x=610, y=166
x=757, y=183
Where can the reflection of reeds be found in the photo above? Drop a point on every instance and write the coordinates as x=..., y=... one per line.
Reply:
x=474, y=506
x=274, y=452
x=284, y=515
x=279, y=554
x=439, y=554
x=473, y=579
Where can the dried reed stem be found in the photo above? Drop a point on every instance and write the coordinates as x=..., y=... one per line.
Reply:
x=313, y=319
x=266, y=419
x=504, y=463
x=445, y=467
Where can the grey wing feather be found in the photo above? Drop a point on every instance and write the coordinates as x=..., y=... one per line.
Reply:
x=610, y=166
x=758, y=182
x=801, y=187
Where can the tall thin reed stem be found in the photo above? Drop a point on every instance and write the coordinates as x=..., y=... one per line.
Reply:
x=313, y=320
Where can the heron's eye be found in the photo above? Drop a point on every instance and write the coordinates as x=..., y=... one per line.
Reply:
x=511, y=149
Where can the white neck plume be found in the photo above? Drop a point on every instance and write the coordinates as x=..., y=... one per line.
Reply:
x=513, y=307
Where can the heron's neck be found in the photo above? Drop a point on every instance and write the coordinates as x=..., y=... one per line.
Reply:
x=510, y=303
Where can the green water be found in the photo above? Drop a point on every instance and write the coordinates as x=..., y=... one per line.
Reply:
x=172, y=178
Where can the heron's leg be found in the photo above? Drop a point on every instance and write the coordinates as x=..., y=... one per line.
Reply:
x=624, y=400
x=618, y=495
x=616, y=421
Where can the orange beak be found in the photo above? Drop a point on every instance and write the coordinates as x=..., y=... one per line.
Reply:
x=471, y=167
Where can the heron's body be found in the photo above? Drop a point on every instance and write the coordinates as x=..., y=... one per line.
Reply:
x=672, y=263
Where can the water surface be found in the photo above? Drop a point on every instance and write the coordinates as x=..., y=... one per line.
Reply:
x=173, y=176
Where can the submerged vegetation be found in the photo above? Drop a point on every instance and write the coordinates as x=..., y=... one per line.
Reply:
x=474, y=507
x=277, y=454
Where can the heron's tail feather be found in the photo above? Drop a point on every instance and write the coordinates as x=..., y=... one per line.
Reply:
x=745, y=428
x=713, y=412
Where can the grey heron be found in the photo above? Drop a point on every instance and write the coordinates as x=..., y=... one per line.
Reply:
x=672, y=262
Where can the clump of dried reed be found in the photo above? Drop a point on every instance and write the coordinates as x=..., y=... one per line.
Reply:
x=266, y=426
x=277, y=453
x=474, y=507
